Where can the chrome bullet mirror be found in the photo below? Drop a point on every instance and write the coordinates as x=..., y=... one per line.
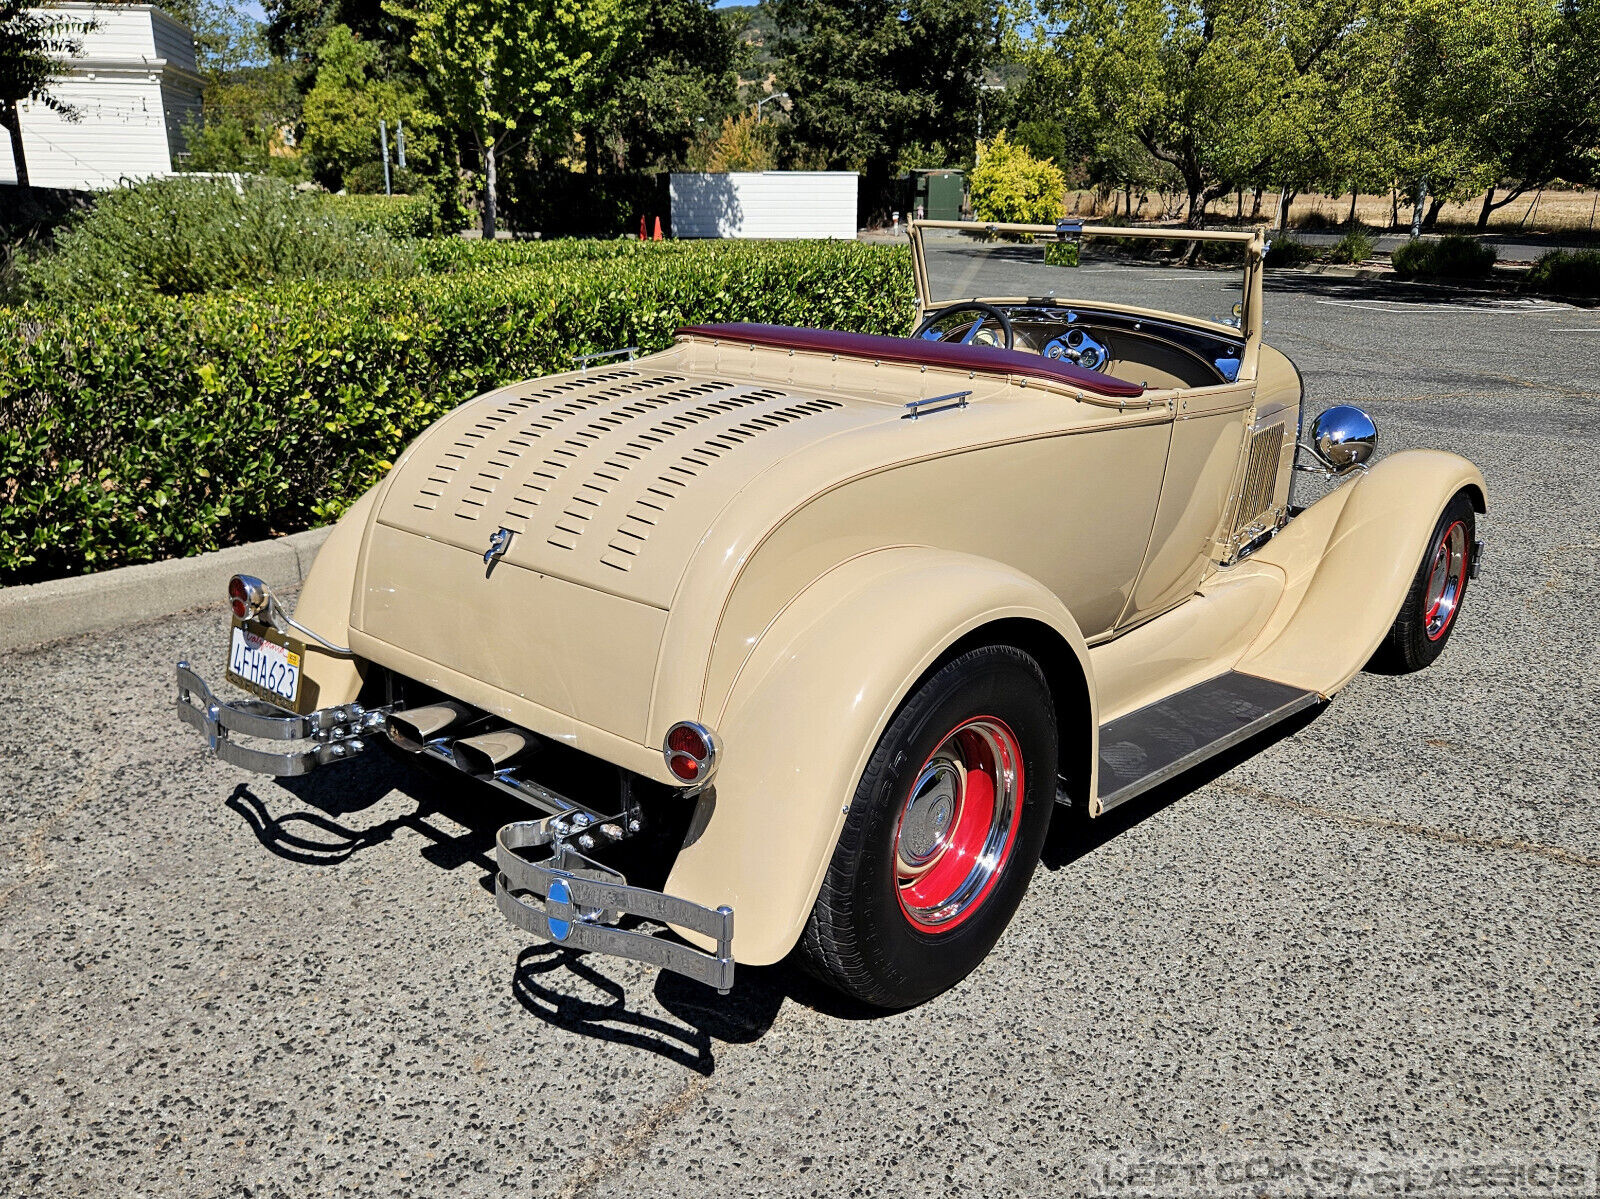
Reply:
x=1343, y=438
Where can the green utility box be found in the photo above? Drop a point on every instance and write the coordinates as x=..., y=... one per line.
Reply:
x=932, y=195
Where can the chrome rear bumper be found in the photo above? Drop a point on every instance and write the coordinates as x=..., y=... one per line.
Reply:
x=564, y=897
x=573, y=901
x=336, y=733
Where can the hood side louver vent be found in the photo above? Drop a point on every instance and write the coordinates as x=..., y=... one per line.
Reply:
x=606, y=480
x=635, y=528
x=446, y=470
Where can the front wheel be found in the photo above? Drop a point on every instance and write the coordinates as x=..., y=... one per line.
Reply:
x=943, y=833
x=1428, y=616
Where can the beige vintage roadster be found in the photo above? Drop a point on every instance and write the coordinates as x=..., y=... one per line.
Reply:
x=795, y=639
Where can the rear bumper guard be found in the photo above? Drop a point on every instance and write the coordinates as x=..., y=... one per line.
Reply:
x=336, y=733
x=575, y=902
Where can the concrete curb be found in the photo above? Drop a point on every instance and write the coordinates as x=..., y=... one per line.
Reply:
x=39, y=613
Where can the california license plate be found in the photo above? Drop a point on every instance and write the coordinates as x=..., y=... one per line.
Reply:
x=266, y=663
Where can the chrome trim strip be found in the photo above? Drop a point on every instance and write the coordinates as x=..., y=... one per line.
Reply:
x=570, y=901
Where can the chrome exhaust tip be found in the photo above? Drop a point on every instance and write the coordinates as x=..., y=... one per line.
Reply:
x=482, y=755
x=412, y=728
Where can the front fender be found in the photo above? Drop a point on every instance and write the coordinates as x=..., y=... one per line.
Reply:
x=806, y=711
x=1349, y=561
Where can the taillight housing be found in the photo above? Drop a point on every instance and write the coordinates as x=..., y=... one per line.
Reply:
x=691, y=753
x=247, y=596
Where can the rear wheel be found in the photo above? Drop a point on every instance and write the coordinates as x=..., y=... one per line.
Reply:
x=1428, y=616
x=942, y=835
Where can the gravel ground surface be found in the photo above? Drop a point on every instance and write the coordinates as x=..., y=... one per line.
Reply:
x=1365, y=947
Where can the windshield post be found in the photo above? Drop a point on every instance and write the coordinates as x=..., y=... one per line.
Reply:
x=919, y=272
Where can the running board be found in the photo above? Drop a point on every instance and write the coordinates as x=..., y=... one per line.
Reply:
x=1160, y=741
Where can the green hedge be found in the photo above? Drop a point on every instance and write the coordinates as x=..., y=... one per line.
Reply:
x=396, y=216
x=1567, y=272
x=168, y=425
x=184, y=235
x=1455, y=256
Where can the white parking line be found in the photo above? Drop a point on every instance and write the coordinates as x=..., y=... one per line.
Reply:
x=1498, y=307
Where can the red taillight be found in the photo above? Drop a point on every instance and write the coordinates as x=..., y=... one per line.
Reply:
x=684, y=739
x=691, y=752
x=238, y=598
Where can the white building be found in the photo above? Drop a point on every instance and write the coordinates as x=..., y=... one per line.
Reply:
x=135, y=87
x=765, y=204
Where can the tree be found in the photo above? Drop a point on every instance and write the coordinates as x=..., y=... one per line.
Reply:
x=1502, y=94
x=34, y=49
x=347, y=100
x=503, y=70
x=1009, y=184
x=1225, y=92
x=744, y=144
x=680, y=74
x=868, y=79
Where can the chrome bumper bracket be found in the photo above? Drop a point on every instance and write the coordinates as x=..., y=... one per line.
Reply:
x=573, y=901
x=338, y=733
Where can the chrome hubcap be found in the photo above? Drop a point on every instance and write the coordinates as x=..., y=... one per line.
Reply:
x=958, y=824
x=1447, y=578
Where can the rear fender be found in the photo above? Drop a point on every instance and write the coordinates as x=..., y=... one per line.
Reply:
x=806, y=711
x=1349, y=560
x=324, y=606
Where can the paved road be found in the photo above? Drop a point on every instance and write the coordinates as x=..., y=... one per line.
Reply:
x=1372, y=944
x=1511, y=247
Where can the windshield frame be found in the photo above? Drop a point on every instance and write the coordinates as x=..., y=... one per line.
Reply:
x=1254, y=242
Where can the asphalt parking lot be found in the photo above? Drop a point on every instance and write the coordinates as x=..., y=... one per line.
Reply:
x=1366, y=947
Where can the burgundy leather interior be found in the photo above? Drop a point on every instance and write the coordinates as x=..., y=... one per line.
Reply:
x=986, y=359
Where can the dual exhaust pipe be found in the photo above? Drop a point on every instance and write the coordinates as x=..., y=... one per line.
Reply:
x=425, y=729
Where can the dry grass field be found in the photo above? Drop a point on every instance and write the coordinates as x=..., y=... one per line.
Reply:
x=1546, y=212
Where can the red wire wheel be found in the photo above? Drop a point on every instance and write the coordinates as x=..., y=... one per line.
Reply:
x=958, y=824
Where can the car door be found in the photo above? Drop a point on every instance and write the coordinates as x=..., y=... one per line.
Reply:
x=1208, y=435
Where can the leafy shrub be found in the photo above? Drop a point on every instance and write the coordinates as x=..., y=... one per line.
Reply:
x=393, y=216
x=1009, y=184
x=181, y=235
x=1287, y=252
x=1315, y=222
x=1352, y=248
x=366, y=179
x=150, y=427
x=1567, y=272
x=1454, y=257
x=1061, y=253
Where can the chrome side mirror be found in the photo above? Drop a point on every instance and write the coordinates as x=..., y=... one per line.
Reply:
x=1343, y=438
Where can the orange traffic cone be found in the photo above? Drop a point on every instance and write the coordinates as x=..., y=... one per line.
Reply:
x=658, y=229
x=641, y=226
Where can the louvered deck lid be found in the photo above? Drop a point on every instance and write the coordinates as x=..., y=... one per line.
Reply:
x=608, y=479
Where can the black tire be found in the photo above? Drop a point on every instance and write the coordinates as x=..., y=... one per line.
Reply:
x=867, y=935
x=1432, y=606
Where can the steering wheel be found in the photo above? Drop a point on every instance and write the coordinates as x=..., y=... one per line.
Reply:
x=937, y=325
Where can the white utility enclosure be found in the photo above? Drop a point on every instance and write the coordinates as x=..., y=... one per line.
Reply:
x=765, y=204
x=134, y=85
